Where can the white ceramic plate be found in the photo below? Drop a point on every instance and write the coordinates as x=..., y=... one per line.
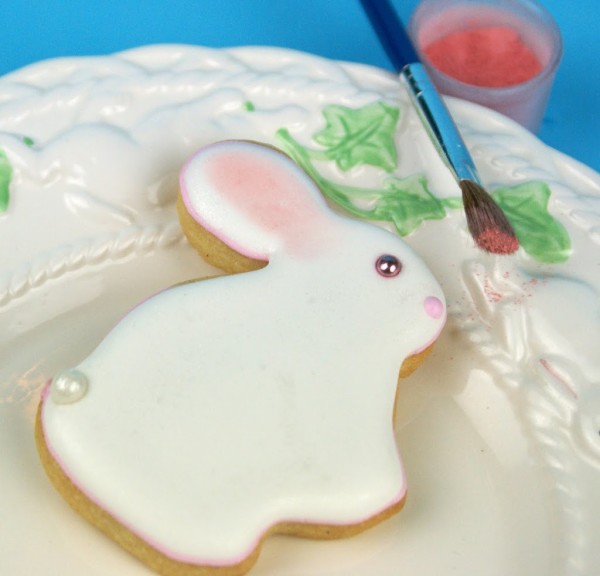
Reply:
x=500, y=429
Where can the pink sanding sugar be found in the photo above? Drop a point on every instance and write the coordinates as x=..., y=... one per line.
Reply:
x=497, y=242
x=492, y=56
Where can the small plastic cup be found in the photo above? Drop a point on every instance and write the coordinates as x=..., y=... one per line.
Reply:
x=524, y=101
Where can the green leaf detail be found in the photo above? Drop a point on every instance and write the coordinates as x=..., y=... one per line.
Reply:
x=407, y=203
x=404, y=202
x=248, y=106
x=539, y=233
x=355, y=137
x=360, y=136
x=28, y=141
x=5, y=178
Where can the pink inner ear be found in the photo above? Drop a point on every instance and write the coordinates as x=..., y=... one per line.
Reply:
x=273, y=193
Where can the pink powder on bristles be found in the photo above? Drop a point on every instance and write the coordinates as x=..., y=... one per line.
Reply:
x=490, y=56
x=497, y=242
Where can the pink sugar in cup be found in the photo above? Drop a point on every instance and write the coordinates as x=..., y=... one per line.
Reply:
x=502, y=54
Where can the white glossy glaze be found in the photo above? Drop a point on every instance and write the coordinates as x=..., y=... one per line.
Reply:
x=504, y=409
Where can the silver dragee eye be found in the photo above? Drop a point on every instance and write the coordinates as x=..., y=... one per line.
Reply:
x=388, y=266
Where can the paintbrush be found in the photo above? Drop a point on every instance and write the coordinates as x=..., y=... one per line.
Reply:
x=487, y=223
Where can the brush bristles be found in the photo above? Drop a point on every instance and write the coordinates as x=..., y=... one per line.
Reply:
x=487, y=223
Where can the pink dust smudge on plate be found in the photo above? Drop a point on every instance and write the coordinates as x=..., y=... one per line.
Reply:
x=558, y=377
x=492, y=294
x=490, y=56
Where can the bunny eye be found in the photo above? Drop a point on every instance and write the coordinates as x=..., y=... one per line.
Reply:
x=388, y=266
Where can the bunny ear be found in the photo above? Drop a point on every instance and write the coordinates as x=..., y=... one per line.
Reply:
x=254, y=198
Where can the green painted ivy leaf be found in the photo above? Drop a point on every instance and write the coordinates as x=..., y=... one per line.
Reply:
x=407, y=203
x=540, y=234
x=356, y=136
x=5, y=178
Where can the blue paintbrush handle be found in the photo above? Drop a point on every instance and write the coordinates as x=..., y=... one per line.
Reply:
x=391, y=32
x=487, y=224
x=438, y=122
x=426, y=99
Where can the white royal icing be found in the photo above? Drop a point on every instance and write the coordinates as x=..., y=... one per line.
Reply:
x=218, y=409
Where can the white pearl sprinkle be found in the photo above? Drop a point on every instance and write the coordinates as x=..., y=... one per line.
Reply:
x=68, y=386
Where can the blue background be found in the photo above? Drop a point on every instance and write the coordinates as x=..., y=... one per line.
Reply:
x=39, y=29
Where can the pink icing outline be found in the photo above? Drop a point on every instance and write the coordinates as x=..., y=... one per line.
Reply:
x=198, y=218
x=443, y=317
x=46, y=390
x=182, y=558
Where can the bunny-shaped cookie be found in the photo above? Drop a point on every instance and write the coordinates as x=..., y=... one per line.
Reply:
x=220, y=411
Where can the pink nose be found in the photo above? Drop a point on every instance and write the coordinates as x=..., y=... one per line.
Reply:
x=434, y=307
